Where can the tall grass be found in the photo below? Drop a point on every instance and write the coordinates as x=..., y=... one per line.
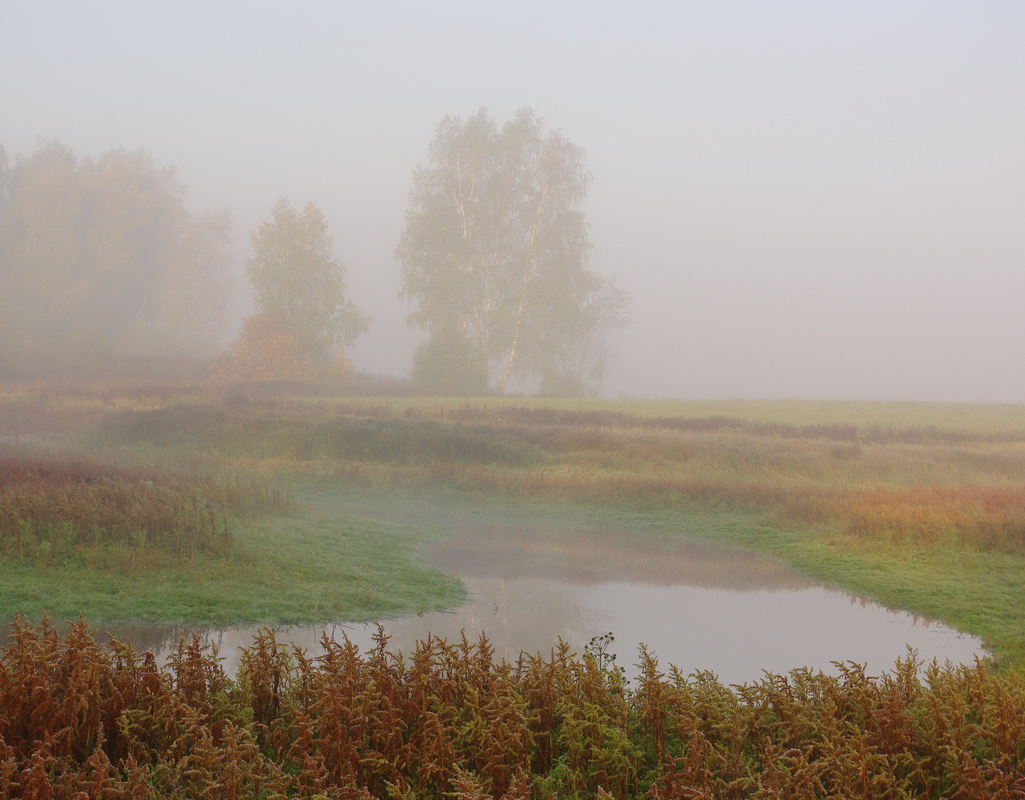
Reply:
x=915, y=486
x=449, y=720
x=263, y=433
x=978, y=518
x=53, y=508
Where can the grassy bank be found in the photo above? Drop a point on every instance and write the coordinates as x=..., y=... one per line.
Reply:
x=301, y=566
x=921, y=506
x=146, y=544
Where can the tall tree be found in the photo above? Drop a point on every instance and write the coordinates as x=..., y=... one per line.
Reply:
x=44, y=274
x=102, y=255
x=296, y=278
x=495, y=242
x=578, y=342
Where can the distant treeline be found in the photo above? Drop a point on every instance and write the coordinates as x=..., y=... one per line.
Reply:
x=100, y=256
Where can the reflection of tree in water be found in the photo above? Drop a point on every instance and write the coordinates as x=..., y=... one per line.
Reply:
x=916, y=620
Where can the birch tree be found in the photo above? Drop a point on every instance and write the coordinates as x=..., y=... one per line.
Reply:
x=495, y=243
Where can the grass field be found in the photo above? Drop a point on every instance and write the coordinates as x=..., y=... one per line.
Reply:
x=921, y=506
x=286, y=568
x=969, y=418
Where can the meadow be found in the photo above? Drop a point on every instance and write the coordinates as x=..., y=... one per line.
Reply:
x=181, y=503
x=919, y=506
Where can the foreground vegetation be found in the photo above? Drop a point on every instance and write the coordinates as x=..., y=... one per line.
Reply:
x=448, y=720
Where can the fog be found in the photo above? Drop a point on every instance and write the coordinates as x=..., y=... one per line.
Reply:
x=804, y=199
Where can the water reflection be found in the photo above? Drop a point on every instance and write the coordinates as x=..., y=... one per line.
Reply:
x=694, y=605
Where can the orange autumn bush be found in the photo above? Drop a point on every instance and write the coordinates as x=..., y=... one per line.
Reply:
x=266, y=350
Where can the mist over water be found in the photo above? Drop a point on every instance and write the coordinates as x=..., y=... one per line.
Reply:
x=695, y=606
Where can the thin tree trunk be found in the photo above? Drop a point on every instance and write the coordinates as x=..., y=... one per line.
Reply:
x=521, y=308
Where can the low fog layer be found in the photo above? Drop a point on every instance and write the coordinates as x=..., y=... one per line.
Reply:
x=802, y=199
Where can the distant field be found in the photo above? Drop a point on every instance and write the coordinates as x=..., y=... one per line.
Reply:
x=971, y=418
x=33, y=406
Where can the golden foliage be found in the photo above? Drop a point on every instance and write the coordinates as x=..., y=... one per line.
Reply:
x=448, y=720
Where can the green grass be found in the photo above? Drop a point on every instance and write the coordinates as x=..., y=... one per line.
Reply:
x=318, y=564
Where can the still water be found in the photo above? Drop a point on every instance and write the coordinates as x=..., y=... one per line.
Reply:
x=694, y=605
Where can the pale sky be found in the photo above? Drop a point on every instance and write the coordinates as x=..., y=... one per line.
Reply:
x=805, y=199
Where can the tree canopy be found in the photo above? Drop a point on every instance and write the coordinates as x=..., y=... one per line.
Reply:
x=446, y=364
x=101, y=256
x=496, y=246
x=300, y=286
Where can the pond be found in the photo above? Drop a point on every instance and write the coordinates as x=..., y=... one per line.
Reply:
x=694, y=605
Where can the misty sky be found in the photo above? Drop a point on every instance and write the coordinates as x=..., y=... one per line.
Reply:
x=805, y=199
